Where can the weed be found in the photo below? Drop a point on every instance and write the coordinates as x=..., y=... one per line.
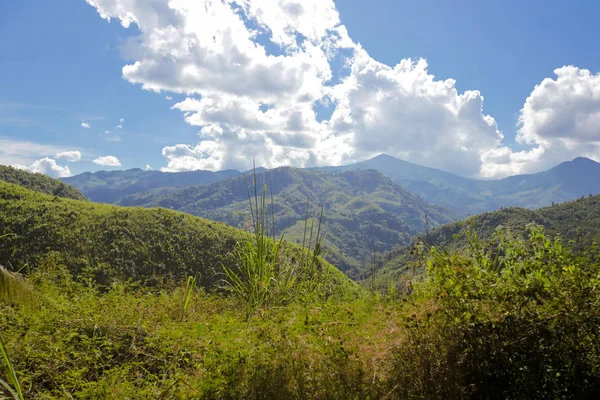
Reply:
x=10, y=372
x=189, y=291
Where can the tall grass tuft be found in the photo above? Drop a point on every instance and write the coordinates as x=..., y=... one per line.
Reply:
x=189, y=292
x=313, y=277
x=266, y=274
x=14, y=289
x=10, y=372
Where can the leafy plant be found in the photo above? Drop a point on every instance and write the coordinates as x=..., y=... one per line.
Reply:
x=515, y=316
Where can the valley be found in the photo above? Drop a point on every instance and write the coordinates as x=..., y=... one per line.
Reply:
x=196, y=289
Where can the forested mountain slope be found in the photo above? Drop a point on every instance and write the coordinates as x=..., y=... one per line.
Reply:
x=363, y=209
x=577, y=222
x=111, y=243
x=39, y=183
x=463, y=196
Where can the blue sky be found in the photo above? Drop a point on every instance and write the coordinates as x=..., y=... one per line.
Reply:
x=62, y=68
x=501, y=48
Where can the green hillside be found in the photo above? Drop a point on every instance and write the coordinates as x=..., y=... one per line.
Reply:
x=465, y=332
x=108, y=308
x=577, y=222
x=110, y=243
x=463, y=196
x=39, y=183
x=363, y=209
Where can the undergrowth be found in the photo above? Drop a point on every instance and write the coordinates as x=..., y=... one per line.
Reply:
x=515, y=318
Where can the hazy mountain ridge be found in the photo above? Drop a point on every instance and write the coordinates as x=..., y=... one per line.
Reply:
x=464, y=196
x=112, y=186
x=567, y=181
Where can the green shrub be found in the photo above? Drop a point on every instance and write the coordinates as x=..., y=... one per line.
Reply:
x=519, y=319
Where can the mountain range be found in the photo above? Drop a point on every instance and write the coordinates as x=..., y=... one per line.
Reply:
x=112, y=186
x=567, y=181
x=463, y=196
x=364, y=212
x=363, y=209
x=577, y=222
x=371, y=206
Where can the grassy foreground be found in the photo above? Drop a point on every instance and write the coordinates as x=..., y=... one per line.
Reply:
x=518, y=319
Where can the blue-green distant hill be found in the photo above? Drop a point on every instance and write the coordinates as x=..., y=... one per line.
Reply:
x=567, y=181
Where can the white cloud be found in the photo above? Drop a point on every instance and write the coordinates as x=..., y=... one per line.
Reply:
x=72, y=156
x=25, y=152
x=119, y=127
x=148, y=167
x=121, y=120
x=47, y=166
x=261, y=78
x=107, y=131
x=168, y=98
x=85, y=125
x=559, y=121
x=405, y=112
x=108, y=161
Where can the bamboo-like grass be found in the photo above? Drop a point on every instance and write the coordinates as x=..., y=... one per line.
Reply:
x=11, y=374
x=265, y=271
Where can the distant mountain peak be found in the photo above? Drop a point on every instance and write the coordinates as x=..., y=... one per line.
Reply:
x=384, y=156
x=583, y=160
x=579, y=162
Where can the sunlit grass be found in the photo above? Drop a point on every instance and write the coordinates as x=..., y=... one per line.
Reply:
x=268, y=273
x=12, y=386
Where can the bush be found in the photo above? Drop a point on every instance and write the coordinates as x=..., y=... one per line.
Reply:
x=516, y=319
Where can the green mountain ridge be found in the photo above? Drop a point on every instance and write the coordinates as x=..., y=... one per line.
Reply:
x=464, y=196
x=39, y=183
x=110, y=243
x=357, y=221
x=577, y=222
x=363, y=209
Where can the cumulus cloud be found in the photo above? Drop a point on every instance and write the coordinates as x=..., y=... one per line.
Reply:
x=564, y=114
x=85, y=125
x=559, y=121
x=47, y=166
x=72, y=156
x=262, y=80
x=108, y=161
x=411, y=115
